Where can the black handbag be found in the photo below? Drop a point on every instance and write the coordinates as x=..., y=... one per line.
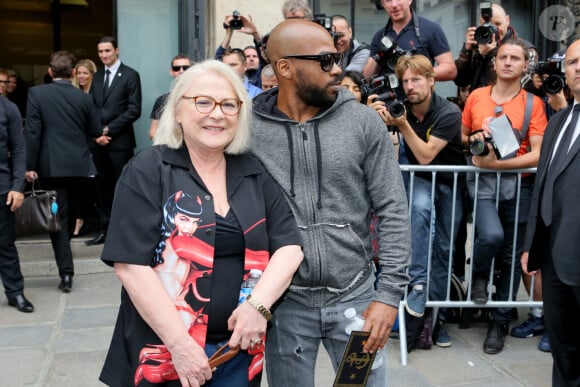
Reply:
x=38, y=213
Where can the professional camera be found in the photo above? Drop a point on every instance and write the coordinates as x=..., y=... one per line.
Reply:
x=556, y=78
x=236, y=23
x=384, y=86
x=484, y=33
x=479, y=147
x=326, y=22
x=389, y=53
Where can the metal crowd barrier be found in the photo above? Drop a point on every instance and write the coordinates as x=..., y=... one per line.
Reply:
x=467, y=303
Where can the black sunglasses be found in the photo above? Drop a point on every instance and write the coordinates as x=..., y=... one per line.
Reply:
x=326, y=60
x=177, y=68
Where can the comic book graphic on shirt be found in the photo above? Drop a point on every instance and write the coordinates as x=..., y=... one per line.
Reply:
x=183, y=258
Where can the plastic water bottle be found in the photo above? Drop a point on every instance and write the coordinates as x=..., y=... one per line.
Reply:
x=356, y=323
x=249, y=284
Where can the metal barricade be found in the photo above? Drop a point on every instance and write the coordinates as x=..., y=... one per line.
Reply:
x=467, y=303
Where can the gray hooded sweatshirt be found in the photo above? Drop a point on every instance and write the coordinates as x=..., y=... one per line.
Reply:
x=334, y=169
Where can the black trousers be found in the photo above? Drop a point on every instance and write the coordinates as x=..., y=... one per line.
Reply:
x=60, y=240
x=9, y=264
x=109, y=165
x=562, y=318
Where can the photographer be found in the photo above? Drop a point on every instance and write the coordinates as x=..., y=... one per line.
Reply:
x=553, y=83
x=475, y=61
x=432, y=131
x=556, y=102
x=237, y=22
x=411, y=33
x=495, y=221
x=355, y=53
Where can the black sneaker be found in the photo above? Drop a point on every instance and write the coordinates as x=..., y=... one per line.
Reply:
x=479, y=291
x=494, y=341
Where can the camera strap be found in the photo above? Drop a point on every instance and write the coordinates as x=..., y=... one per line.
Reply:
x=417, y=29
x=527, y=115
x=354, y=51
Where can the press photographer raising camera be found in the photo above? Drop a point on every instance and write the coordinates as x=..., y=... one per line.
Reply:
x=474, y=63
x=355, y=53
x=432, y=131
x=244, y=24
x=411, y=32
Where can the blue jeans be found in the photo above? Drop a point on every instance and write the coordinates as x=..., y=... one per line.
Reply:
x=233, y=372
x=294, y=337
x=422, y=207
x=494, y=236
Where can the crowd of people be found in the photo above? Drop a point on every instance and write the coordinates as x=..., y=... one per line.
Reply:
x=278, y=163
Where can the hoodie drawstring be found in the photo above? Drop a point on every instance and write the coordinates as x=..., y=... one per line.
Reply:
x=291, y=146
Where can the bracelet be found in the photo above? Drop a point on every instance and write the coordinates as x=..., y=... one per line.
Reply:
x=260, y=308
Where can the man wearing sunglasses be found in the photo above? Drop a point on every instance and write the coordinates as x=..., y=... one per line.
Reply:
x=179, y=64
x=333, y=160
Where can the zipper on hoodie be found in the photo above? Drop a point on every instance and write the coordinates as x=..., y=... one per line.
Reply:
x=312, y=205
x=311, y=168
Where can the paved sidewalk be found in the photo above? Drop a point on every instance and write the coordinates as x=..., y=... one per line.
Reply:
x=64, y=342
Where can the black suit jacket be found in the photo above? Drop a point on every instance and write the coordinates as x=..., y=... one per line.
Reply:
x=60, y=121
x=120, y=107
x=562, y=241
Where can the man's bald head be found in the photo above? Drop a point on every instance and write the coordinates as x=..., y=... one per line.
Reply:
x=297, y=36
x=498, y=9
x=500, y=19
x=297, y=49
x=573, y=46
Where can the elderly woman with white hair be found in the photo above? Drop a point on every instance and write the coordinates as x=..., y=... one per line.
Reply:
x=192, y=216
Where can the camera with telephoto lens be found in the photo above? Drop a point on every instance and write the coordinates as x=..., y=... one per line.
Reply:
x=389, y=53
x=484, y=33
x=479, y=147
x=384, y=86
x=556, y=78
x=236, y=23
x=326, y=23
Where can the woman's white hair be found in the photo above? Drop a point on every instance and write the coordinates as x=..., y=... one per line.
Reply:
x=169, y=131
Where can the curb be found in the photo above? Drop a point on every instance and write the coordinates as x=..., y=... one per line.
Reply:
x=37, y=257
x=48, y=268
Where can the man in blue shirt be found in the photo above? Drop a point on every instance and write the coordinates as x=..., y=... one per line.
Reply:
x=236, y=59
x=411, y=33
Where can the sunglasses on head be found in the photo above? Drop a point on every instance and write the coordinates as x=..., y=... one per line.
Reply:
x=177, y=68
x=326, y=60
